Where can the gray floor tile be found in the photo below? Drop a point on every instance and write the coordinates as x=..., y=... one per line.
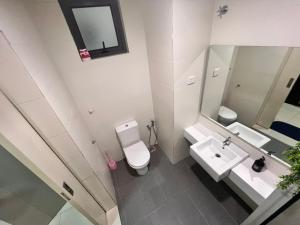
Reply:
x=211, y=209
x=146, y=221
x=163, y=216
x=185, y=211
x=234, y=208
x=180, y=194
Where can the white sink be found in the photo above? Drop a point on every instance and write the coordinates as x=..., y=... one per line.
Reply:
x=253, y=137
x=216, y=160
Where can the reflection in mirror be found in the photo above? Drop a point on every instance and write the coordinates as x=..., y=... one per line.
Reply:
x=255, y=93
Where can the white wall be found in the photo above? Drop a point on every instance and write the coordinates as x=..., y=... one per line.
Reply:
x=177, y=33
x=32, y=82
x=257, y=22
x=157, y=16
x=116, y=88
x=192, y=21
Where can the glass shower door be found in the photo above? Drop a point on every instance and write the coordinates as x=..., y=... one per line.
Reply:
x=26, y=200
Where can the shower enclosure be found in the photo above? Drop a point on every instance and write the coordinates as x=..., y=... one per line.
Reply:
x=26, y=200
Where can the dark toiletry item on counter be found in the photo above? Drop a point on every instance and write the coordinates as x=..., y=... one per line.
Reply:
x=258, y=164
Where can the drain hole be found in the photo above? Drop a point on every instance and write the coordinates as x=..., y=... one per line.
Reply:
x=217, y=155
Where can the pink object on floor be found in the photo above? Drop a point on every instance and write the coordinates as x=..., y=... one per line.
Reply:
x=111, y=163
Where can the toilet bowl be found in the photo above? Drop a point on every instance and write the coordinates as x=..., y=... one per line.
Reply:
x=136, y=152
x=226, y=116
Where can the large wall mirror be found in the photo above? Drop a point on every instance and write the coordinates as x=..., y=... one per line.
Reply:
x=254, y=92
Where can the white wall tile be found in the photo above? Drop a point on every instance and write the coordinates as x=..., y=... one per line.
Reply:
x=61, y=102
x=14, y=79
x=96, y=188
x=15, y=23
x=113, y=217
x=257, y=23
x=43, y=117
x=105, y=177
x=65, y=147
x=165, y=125
x=102, y=219
x=192, y=28
x=157, y=16
x=161, y=72
x=37, y=63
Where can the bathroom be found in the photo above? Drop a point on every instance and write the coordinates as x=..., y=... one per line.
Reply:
x=62, y=103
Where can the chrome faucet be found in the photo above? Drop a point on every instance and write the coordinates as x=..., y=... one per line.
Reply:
x=227, y=142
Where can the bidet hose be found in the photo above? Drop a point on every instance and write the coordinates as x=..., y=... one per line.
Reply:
x=149, y=140
x=150, y=127
x=154, y=131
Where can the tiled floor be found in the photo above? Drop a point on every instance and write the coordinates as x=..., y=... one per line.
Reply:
x=181, y=194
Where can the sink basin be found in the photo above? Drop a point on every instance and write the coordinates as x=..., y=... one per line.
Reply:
x=253, y=137
x=216, y=160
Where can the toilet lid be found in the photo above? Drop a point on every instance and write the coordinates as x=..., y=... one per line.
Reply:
x=227, y=113
x=137, y=155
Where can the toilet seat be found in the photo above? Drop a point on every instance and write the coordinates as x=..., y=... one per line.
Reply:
x=137, y=155
x=227, y=113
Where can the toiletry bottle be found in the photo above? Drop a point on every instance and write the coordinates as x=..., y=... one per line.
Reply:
x=258, y=164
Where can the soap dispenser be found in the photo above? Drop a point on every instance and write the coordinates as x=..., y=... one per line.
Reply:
x=258, y=164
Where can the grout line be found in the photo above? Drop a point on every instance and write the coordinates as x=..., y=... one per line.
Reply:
x=185, y=191
x=149, y=214
x=200, y=212
x=233, y=219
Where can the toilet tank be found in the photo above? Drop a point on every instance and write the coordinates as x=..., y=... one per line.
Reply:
x=128, y=133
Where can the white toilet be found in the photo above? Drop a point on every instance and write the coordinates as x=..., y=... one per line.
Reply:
x=136, y=152
x=226, y=116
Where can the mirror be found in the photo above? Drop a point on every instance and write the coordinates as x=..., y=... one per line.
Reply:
x=254, y=92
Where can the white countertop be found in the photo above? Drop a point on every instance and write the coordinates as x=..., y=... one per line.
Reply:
x=258, y=186
x=196, y=133
x=264, y=183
